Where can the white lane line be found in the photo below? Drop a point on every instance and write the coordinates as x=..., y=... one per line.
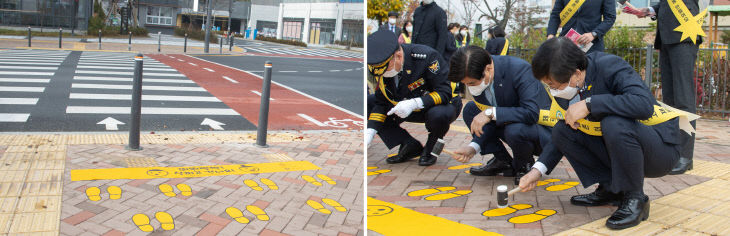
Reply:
x=208, y=69
x=30, y=63
x=131, y=64
x=124, y=68
x=288, y=71
x=257, y=93
x=180, y=60
x=29, y=67
x=359, y=68
x=310, y=119
x=13, y=117
x=125, y=73
x=24, y=80
x=314, y=71
x=172, y=57
x=21, y=58
x=22, y=89
x=151, y=110
x=97, y=96
x=348, y=70
x=129, y=87
x=97, y=78
x=334, y=70
x=19, y=101
x=229, y=79
x=192, y=64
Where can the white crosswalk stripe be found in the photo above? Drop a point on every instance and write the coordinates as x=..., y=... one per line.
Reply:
x=305, y=52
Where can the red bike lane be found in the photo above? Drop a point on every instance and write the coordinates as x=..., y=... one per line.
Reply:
x=288, y=109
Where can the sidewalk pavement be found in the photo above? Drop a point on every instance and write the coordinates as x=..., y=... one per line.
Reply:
x=696, y=203
x=43, y=188
x=115, y=45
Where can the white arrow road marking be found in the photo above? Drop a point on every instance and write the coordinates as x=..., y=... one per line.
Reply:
x=111, y=123
x=212, y=123
x=257, y=93
x=229, y=79
x=208, y=69
x=310, y=119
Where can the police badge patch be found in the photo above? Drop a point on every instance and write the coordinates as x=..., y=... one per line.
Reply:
x=434, y=67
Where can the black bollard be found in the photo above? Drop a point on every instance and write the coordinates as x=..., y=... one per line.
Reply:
x=29, y=36
x=129, y=45
x=60, y=37
x=264, y=108
x=136, y=111
x=185, y=46
x=99, y=39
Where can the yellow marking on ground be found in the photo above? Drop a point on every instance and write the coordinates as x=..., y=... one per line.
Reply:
x=327, y=179
x=445, y=196
x=142, y=222
x=237, y=215
x=185, y=189
x=318, y=206
x=189, y=171
x=93, y=193
x=429, y=191
x=115, y=192
x=334, y=204
x=253, y=185
x=141, y=162
x=167, y=190
x=260, y=214
x=79, y=46
x=269, y=183
x=50, y=142
x=547, y=181
x=688, y=202
x=709, y=169
x=561, y=187
x=505, y=211
x=372, y=167
x=165, y=219
x=529, y=218
x=377, y=172
x=460, y=128
x=311, y=180
x=277, y=157
x=459, y=167
x=389, y=219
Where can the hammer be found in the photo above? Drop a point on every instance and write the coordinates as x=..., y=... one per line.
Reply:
x=439, y=147
x=503, y=195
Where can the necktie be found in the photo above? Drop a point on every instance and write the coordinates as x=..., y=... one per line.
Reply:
x=490, y=95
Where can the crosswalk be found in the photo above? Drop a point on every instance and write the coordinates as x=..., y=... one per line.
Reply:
x=24, y=76
x=304, y=52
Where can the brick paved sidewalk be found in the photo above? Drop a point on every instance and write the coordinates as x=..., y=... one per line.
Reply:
x=38, y=196
x=696, y=202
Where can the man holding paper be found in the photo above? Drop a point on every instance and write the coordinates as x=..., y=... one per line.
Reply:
x=590, y=19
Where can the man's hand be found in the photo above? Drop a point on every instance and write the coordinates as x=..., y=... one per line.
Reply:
x=529, y=180
x=464, y=154
x=575, y=112
x=585, y=38
x=550, y=36
x=404, y=108
x=369, y=135
x=478, y=123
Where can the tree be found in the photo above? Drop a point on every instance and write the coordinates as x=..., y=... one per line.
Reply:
x=526, y=16
x=470, y=6
x=378, y=9
x=499, y=14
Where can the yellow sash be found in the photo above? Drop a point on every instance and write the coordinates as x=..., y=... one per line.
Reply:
x=551, y=117
x=569, y=10
x=689, y=25
x=381, y=84
x=506, y=46
x=406, y=38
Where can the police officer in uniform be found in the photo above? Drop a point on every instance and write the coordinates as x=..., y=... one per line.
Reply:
x=411, y=86
x=506, y=105
x=612, y=94
x=392, y=23
x=429, y=26
x=592, y=20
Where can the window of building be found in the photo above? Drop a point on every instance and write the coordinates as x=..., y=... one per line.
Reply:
x=292, y=29
x=159, y=15
x=352, y=30
x=322, y=31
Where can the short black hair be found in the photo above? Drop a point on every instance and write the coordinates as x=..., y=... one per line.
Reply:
x=468, y=61
x=558, y=58
x=497, y=31
x=452, y=25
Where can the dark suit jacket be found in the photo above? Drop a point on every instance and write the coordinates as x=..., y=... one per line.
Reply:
x=450, y=48
x=494, y=46
x=418, y=78
x=386, y=26
x=593, y=16
x=666, y=22
x=429, y=27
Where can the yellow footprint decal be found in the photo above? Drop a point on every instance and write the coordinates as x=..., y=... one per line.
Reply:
x=260, y=214
x=114, y=192
x=377, y=172
x=327, y=179
x=253, y=185
x=311, y=180
x=93, y=193
x=561, y=187
x=334, y=204
x=444, y=196
x=505, y=211
x=270, y=184
x=237, y=215
x=547, y=181
x=372, y=167
x=529, y=218
x=167, y=190
x=142, y=222
x=459, y=167
x=185, y=189
x=318, y=206
x=428, y=191
x=165, y=219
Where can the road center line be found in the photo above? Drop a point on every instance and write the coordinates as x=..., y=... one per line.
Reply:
x=229, y=79
x=208, y=69
x=257, y=93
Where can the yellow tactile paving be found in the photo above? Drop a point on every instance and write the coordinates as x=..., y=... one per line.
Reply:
x=38, y=204
x=277, y=157
x=49, y=142
x=680, y=231
x=722, y=210
x=7, y=204
x=688, y=202
x=709, y=224
x=5, y=220
x=35, y=222
x=709, y=169
x=12, y=176
x=459, y=128
x=576, y=232
x=669, y=215
x=645, y=228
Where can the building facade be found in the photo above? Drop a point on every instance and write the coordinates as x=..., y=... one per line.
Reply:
x=54, y=14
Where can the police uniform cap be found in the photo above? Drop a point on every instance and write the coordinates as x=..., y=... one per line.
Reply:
x=381, y=46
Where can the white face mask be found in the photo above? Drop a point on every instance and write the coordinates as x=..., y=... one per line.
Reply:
x=393, y=72
x=427, y=2
x=409, y=28
x=463, y=32
x=476, y=90
x=568, y=92
x=391, y=21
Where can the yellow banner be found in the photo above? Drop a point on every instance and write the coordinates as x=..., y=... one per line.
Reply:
x=569, y=10
x=190, y=171
x=389, y=219
x=505, y=48
x=689, y=25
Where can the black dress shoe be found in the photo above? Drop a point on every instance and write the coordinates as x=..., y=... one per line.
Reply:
x=427, y=160
x=684, y=164
x=409, y=149
x=630, y=213
x=492, y=168
x=599, y=197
